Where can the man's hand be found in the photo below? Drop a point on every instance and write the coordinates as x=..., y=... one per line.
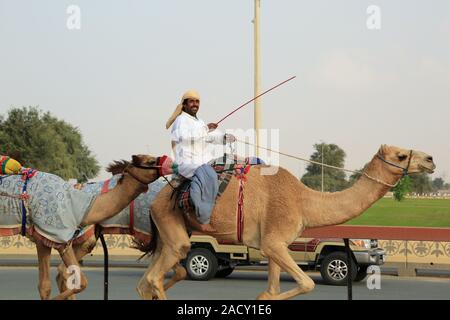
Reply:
x=212, y=126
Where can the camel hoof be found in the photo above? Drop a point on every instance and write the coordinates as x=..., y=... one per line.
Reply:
x=264, y=296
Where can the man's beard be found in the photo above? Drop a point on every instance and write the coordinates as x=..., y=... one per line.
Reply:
x=192, y=112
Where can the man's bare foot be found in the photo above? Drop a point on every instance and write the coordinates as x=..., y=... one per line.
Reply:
x=206, y=228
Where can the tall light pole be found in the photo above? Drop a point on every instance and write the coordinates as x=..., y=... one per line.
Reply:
x=322, y=165
x=257, y=111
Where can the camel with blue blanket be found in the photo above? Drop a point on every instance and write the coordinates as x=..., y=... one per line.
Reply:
x=133, y=220
x=268, y=212
x=53, y=214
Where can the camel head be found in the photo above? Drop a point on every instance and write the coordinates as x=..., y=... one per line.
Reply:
x=143, y=168
x=143, y=160
x=414, y=161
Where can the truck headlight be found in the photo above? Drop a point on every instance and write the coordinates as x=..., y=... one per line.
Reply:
x=365, y=243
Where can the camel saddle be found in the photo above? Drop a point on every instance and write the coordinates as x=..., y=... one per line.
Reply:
x=226, y=167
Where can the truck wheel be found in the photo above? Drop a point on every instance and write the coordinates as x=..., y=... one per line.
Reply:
x=201, y=264
x=334, y=269
x=224, y=272
x=361, y=274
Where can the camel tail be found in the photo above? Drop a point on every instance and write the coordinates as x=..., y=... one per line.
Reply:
x=147, y=248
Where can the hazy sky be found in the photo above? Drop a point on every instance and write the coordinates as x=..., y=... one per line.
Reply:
x=121, y=75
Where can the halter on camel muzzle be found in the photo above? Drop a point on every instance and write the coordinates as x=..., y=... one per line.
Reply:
x=164, y=166
x=405, y=170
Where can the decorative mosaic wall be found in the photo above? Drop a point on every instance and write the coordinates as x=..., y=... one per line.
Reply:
x=117, y=245
x=397, y=251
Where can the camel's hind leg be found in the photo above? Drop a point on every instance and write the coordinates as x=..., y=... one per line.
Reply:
x=45, y=284
x=279, y=253
x=80, y=251
x=143, y=288
x=175, y=245
x=173, y=241
x=155, y=277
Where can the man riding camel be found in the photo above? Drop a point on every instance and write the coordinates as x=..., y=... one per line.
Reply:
x=192, y=142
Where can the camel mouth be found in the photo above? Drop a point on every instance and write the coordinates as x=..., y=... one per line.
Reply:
x=426, y=169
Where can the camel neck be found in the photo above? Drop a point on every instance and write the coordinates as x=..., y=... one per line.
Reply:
x=108, y=204
x=324, y=208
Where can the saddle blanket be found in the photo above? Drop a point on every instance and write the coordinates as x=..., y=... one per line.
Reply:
x=55, y=208
x=225, y=167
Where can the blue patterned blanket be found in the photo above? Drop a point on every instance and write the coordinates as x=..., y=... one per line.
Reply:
x=55, y=207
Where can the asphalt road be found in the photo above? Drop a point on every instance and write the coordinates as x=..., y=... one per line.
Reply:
x=21, y=283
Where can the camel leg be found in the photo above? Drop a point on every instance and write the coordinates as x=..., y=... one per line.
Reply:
x=180, y=273
x=143, y=288
x=155, y=277
x=70, y=260
x=173, y=241
x=280, y=254
x=80, y=251
x=274, y=281
x=45, y=284
x=174, y=244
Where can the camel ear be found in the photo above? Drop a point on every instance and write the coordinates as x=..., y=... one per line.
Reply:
x=383, y=149
x=135, y=159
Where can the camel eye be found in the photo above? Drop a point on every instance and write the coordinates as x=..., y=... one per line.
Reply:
x=402, y=157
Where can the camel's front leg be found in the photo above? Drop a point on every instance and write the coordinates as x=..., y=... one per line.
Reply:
x=274, y=282
x=80, y=282
x=45, y=284
x=80, y=251
x=279, y=253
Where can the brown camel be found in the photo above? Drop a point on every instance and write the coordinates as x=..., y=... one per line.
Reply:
x=137, y=175
x=278, y=208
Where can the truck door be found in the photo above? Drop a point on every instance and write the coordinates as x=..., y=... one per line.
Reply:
x=298, y=250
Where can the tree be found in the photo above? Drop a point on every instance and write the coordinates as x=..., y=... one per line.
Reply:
x=334, y=179
x=421, y=183
x=41, y=141
x=438, y=184
x=356, y=175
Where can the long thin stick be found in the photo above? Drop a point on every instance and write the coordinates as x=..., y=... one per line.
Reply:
x=255, y=99
x=298, y=158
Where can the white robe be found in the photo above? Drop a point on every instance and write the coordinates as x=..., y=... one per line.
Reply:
x=193, y=143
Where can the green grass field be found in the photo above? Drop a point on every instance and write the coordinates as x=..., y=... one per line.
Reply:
x=408, y=213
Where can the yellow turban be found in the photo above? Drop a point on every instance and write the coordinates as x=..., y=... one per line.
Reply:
x=9, y=165
x=191, y=94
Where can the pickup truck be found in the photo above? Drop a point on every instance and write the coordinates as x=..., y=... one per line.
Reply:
x=210, y=258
